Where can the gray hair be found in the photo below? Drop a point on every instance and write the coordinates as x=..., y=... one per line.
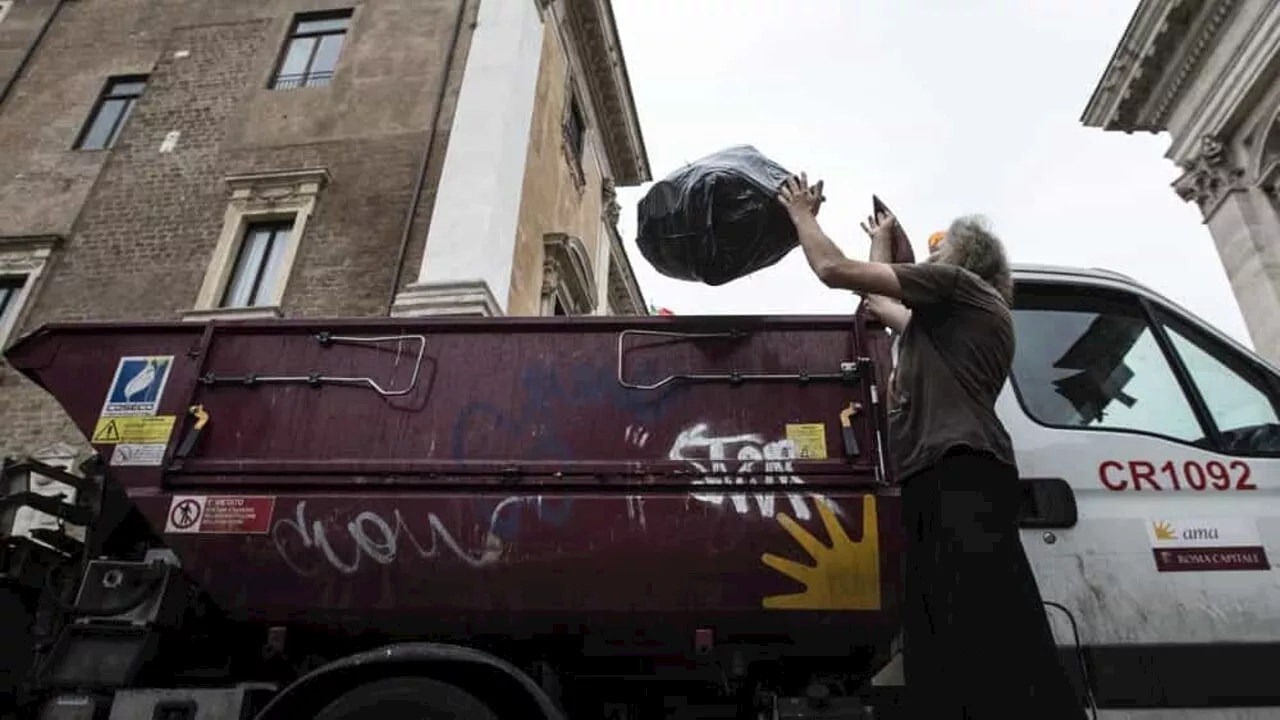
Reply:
x=972, y=245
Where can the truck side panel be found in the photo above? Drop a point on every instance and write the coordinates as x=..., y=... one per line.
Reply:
x=500, y=475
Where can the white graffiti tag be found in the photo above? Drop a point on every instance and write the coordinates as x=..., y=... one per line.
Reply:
x=757, y=462
x=381, y=540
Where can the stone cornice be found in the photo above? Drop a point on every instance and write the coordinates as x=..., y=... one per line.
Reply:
x=306, y=179
x=624, y=290
x=1128, y=61
x=596, y=34
x=1160, y=52
x=1186, y=60
x=18, y=243
x=625, y=297
x=1233, y=94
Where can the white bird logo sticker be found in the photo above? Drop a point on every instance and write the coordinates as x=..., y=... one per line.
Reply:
x=141, y=381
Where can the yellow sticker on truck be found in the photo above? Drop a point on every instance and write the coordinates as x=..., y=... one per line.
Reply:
x=809, y=440
x=144, y=430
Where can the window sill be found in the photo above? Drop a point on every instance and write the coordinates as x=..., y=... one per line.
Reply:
x=269, y=312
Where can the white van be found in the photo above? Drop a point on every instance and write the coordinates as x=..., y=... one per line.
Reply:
x=1152, y=441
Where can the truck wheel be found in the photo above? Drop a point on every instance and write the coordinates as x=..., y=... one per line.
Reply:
x=406, y=697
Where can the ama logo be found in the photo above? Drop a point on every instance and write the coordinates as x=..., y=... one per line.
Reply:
x=138, y=385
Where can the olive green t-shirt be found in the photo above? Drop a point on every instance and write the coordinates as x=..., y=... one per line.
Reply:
x=954, y=357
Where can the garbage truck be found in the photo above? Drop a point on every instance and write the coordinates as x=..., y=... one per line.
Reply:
x=623, y=518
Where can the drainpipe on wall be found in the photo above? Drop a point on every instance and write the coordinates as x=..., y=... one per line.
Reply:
x=406, y=232
x=29, y=52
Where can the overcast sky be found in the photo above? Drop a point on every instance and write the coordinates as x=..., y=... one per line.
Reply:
x=942, y=108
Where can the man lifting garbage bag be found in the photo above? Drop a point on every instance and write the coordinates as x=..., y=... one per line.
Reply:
x=968, y=582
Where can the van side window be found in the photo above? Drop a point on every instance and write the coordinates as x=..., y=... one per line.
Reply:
x=1093, y=362
x=1234, y=395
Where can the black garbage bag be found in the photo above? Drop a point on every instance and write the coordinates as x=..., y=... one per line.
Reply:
x=716, y=219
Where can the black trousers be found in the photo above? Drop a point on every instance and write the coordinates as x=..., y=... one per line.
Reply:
x=976, y=641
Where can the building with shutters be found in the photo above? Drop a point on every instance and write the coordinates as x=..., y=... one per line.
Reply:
x=236, y=159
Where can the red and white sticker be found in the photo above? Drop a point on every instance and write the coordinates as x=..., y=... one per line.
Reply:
x=220, y=514
x=1168, y=475
x=1206, y=544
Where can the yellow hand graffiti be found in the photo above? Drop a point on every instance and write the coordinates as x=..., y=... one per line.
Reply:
x=844, y=576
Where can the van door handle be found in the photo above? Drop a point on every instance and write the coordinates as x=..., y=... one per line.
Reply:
x=1046, y=503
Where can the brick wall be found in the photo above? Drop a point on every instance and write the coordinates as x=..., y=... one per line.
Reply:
x=140, y=224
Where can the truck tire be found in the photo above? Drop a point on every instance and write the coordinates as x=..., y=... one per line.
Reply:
x=406, y=697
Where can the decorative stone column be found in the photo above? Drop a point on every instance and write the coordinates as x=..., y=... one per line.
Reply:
x=1245, y=225
x=466, y=266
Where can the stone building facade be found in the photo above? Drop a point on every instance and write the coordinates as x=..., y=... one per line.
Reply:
x=247, y=159
x=1208, y=73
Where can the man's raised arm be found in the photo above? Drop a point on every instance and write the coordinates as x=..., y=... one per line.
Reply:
x=894, y=315
x=831, y=265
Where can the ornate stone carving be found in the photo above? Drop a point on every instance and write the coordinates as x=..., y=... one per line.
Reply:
x=26, y=255
x=566, y=274
x=550, y=278
x=268, y=191
x=1210, y=177
x=1212, y=149
x=26, y=258
x=609, y=195
x=20, y=263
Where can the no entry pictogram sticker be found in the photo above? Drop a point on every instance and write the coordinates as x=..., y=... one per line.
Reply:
x=220, y=514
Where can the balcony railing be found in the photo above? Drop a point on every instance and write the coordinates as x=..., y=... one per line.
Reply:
x=300, y=80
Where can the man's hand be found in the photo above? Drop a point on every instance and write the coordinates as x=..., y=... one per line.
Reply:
x=798, y=197
x=879, y=227
x=824, y=258
x=891, y=313
x=816, y=197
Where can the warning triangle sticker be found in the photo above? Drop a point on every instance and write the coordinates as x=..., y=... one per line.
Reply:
x=108, y=433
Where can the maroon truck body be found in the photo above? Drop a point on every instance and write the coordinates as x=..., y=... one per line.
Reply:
x=459, y=477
